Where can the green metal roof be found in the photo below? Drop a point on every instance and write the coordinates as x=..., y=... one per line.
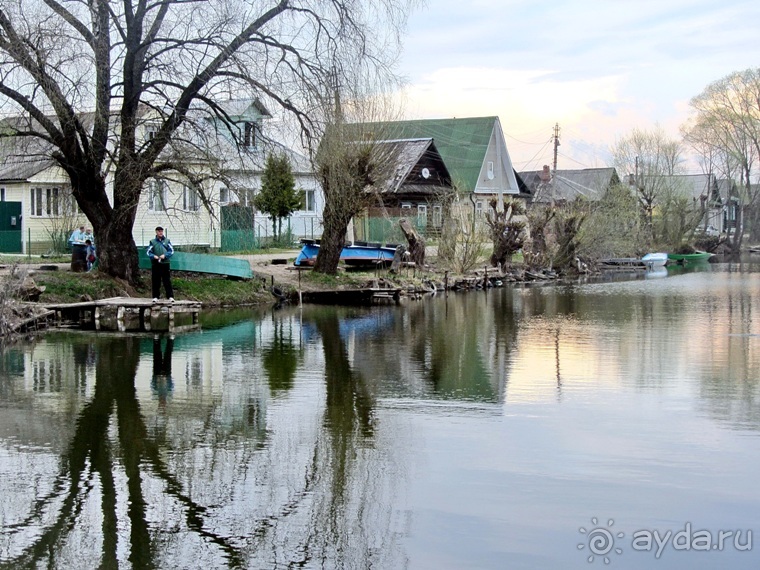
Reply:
x=462, y=143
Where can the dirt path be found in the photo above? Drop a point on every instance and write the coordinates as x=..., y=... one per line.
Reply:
x=283, y=273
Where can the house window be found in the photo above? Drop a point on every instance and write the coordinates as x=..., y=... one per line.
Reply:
x=53, y=206
x=36, y=201
x=422, y=214
x=479, y=207
x=150, y=132
x=309, y=203
x=50, y=202
x=190, y=199
x=157, y=196
x=251, y=132
x=437, y=216
x=246, y=196
x=2, y=194
x=406, y=206
x=224, y=195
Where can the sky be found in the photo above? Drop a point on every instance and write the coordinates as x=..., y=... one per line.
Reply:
x=597, y=68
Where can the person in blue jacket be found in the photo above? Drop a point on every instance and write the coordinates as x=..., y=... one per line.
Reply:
x=160, y=251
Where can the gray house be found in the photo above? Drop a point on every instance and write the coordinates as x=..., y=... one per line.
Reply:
x=562, y=186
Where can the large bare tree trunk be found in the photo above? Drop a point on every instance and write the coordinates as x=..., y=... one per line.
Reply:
x=416, y=242
x=330, y=247
x=117, y=252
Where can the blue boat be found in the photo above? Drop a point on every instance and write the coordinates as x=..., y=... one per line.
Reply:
x=359, y=254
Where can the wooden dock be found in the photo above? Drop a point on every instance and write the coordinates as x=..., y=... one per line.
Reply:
x=366, y=296
x=129, y=314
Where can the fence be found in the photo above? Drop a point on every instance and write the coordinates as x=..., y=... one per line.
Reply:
x=386, y=229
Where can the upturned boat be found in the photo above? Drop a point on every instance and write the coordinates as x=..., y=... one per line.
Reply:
x=655, y=259
x=358, y=254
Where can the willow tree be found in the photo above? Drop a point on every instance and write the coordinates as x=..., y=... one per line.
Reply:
x=651, y=158
x=83, y=78
x=726, y=119
x=352, y=163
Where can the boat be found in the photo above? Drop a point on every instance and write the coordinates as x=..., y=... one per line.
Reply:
x=358, y=254
x=652, y=260
x=697, y=256
x=203, y=263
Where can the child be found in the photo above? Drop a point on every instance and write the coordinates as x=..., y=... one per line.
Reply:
x=90, y=253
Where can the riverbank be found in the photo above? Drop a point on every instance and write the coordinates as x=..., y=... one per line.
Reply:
x=275, y=277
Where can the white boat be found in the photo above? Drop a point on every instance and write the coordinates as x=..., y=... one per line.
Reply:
x=655, y=259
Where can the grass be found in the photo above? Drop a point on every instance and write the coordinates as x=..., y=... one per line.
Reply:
x=342, y=279
x=68, y=287
x=10, y=259
x=212, y=290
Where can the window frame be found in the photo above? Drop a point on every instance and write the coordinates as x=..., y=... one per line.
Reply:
x=158, y=189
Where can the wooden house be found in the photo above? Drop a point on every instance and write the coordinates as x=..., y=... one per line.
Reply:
x=472, y=148
x=418, y=184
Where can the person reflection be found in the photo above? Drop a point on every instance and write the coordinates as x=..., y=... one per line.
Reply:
x=162, y=383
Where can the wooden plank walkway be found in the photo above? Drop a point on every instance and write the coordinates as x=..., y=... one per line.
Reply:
x=366, y=296
x=128, y=314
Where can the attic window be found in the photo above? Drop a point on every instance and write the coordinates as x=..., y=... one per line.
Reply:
x=250, y=134
x=150, y=132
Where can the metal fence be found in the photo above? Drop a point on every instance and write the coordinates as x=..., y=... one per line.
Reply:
x=386, y=229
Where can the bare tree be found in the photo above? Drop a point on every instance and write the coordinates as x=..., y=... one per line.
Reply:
x=90, y=78
x=651, y=158
x=715, y=158
x=727, y=113
x=352, y=163
x=507, y=230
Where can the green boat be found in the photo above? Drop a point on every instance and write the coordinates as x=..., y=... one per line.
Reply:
x=203, y=263
x=697, y=256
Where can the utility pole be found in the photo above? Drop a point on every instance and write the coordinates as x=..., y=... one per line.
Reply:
x=556, y=144
x=555, y=137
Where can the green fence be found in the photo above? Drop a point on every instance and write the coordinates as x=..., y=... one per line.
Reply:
x=387, y=229
x=239, y=240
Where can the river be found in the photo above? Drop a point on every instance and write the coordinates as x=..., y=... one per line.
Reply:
x=565, y=426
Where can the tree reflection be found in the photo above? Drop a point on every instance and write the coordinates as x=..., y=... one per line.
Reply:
x=90, y=453
x=280, y=359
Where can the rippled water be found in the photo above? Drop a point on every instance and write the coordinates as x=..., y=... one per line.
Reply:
x=515, y=428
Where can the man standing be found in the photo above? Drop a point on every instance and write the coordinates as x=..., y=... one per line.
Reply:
x=78, y=250
x=160, y=251
x=78, y=236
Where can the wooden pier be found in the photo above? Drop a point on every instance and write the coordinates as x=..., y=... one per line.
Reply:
x=128, y=314
x=366, y=296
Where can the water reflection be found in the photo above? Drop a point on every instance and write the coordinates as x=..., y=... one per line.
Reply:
x=322, y=437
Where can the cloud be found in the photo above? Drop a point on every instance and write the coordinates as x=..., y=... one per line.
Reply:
x=597, y=68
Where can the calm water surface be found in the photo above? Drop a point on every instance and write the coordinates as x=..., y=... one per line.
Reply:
x=519, y=428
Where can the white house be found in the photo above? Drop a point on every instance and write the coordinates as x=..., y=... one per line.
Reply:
x=225, y=169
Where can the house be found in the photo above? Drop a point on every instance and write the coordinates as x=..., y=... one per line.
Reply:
x=204, y=205
x=561, y=186
x=473, y=150
x=699, y=191
x=36, y=205
x=729, y=198
x=418, y=185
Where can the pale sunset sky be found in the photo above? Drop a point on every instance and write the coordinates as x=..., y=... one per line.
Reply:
x=597, y=68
